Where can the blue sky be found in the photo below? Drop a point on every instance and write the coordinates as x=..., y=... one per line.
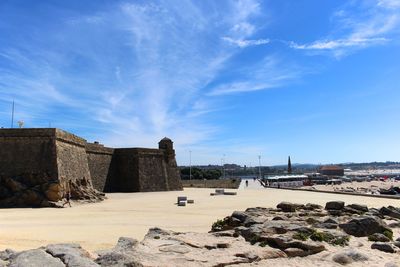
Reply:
x=317, y=80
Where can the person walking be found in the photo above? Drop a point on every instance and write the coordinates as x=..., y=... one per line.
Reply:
x=67, y=195
x=247, y=183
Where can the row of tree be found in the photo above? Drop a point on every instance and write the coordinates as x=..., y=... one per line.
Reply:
x=197, y=173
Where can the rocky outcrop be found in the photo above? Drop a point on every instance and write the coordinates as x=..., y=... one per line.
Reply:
x=42, y=190
x=254, y=237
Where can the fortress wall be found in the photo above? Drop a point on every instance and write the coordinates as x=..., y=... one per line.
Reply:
x=73, y=168
x=172, y=171
x=100, y=160
x=126, y=174
x=153, y=170
x=28, y=151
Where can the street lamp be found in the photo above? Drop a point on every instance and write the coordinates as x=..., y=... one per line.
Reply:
x=259, y=166
x=190, y=164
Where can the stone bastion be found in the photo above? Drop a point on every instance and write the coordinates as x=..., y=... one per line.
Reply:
x=45, y=166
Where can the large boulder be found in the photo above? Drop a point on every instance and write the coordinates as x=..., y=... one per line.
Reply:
x=35, y=258
x=73, y=255
x=334, y=205
x=168, y=248
x=385, y=247
x=364, y=226
x=288, y=207
x=390, y=211
x=359, y=207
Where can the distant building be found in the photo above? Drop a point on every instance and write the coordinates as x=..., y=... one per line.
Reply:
x=331, y=170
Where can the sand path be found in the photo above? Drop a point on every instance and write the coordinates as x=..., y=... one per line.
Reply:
x=98, y=226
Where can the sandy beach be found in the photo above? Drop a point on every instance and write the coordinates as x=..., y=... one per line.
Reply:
x=360, y=187
x=98, y=226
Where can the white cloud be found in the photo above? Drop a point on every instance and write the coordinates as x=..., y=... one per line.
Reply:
x=360, y=26
x=138, y=77
x=271, y=72
x=245, y=43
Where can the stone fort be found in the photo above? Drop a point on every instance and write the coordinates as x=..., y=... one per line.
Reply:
x=40, y=167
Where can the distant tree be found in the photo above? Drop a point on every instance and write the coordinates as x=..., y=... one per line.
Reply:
x=198, y=173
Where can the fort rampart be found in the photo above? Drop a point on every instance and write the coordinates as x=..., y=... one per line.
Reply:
x=41, y=167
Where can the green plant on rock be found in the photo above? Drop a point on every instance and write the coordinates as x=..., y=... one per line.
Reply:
x=321, y=236
x=330, y=238
x=388, y=234
x=263, y=244
x=218, y=225
x=300, y=236
x=341, y=241
x=254, y=239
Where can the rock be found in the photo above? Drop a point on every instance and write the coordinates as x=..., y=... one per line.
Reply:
x=364, y=226
x=284, y=242
x=342, y=258
x=359, y=207
x=295, y=252
x=326, y=225
x=7, y=254
x=396, y=243
x=186, y=249
x=385, y=247
x=3, y=263
x=279, y=218
x=126, y=243
x=35, y=258
x=310, y=206
x=241, y=216
x=334, y=205
x=391, y=264
x=288, y=207
x=378, y=237
x=54, y=192
x=349, y=256
x=390, y=211
x=73, y=255
x=335, y=212
x=394, y=225
x=350, y=210
x=331, y=221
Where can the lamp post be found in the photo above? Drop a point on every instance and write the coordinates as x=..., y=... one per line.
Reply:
x=190, y=164
x=223, y=166
x=12, y=114
x=259, y=166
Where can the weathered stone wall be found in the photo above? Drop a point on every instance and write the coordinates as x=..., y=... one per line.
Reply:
x=47, y=165
x=100, y=161
x=40, y=167
x=25, y=151
x=138, y=170
x=126, y=175
x=153, y=170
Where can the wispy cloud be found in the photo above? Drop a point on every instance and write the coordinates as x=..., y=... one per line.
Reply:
x=366, y=25
x=271, y=72
x=137, y=71
x=245, y=43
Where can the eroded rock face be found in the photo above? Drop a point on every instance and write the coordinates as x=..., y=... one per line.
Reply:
x=168, y=248
x=42, y=190
x=35, y=258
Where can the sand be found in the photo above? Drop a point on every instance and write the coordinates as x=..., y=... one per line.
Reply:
x=98, y=226
x=361, y=187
